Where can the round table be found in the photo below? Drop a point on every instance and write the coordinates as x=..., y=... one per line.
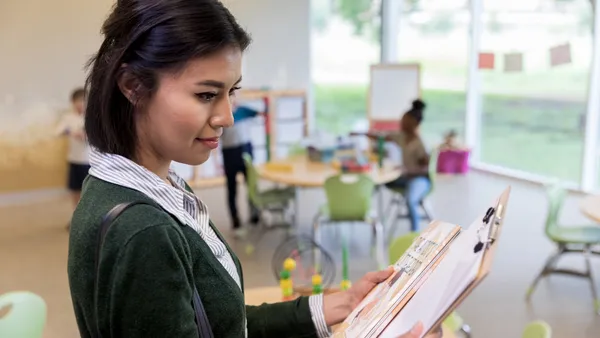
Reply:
x=272, y=294
x=300, y=172
x=590, y=206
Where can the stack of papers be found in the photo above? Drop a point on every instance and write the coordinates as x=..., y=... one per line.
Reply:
x=442, y=266
x=382, y=305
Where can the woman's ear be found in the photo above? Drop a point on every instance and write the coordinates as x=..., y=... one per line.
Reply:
x=129, y=85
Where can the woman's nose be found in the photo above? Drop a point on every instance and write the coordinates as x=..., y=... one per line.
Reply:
x=223, y=115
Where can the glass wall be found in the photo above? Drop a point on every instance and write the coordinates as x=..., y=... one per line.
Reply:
x=533, y=111
x=344, y=44
x=435, y=34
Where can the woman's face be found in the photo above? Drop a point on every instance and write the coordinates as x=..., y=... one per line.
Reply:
x=185, y=117
x=408, y=124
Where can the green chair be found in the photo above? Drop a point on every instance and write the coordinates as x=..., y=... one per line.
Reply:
x=399, y=201
x=397, y=248
x=296, y=149
x=26, y=316
x=571, y=239
x=273, y=202
x=537, y=329
x=349, y=201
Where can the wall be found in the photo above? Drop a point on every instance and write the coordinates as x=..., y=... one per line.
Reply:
x=279, y=56
x=45, y=44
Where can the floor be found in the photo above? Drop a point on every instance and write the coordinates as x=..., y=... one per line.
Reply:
x=33, y=247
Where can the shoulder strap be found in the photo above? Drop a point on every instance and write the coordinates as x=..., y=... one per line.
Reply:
x=204, y=328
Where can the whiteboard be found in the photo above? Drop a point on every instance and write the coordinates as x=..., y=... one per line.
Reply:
x=393, y=89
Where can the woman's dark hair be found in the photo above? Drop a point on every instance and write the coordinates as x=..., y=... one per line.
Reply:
x=416, y=111
x=141, y=38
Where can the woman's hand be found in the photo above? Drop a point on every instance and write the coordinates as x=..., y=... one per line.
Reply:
x=417, y=331
x=337, y=306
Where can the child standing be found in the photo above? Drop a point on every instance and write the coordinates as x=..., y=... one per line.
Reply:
x=72, y=126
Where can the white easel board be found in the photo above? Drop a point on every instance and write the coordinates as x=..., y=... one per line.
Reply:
x=392, y=90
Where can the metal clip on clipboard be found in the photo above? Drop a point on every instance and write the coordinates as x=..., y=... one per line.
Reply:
x=493, y=218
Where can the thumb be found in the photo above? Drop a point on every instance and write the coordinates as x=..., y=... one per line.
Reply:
x=379, y=276
x=415, y=332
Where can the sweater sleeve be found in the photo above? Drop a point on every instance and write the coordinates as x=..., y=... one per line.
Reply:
x=285, y=319
x=151, y=291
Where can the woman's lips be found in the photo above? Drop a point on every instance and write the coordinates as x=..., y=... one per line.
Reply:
x=212, y=143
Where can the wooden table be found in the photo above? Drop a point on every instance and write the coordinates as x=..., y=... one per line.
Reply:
x=590, y=206
x=299, y=172
x=272, y=294
x=305, y=173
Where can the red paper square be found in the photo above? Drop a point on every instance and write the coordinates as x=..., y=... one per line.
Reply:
x=486, y=60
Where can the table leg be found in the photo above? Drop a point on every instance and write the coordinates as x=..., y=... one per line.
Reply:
x=296, y=209
x=380, y=211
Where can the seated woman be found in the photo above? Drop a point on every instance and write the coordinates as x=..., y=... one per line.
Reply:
x=414, y=179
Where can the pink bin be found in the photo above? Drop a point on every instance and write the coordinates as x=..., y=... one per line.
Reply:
x=453, y=162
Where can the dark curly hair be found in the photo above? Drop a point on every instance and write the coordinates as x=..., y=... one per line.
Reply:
x=416, y=111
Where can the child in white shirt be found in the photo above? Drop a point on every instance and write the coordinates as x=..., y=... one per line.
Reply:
x=72, y=126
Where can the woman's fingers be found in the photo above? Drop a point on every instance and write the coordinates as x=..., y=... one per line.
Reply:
x=377, y=277
x=415, y=332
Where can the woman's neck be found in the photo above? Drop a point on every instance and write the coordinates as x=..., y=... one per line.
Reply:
x=151, y=161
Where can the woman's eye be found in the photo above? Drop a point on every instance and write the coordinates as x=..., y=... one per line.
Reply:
x=234, y=90
x=206, y=97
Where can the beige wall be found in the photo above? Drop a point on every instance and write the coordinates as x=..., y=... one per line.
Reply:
x=44, y=45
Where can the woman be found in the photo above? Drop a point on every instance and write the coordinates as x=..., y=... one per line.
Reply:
x=160, y=90
x=414, y=180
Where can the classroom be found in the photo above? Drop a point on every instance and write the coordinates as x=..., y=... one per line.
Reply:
x=186, y=161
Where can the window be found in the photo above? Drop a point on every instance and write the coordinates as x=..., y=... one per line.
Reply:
x=435, y=34
x=533, y=119
x=344, y=44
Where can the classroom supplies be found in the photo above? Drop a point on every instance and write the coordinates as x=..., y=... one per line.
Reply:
x=301, y=249
x=453, y=161
x=345, y=284
x=440, y=269
x=285, y=283
x=392, y=89
x=317, y=283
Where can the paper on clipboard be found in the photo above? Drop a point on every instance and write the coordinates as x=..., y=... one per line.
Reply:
x=457, y=274
x=453, y=275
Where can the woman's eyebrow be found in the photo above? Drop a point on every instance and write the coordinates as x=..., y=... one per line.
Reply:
x=216, y=84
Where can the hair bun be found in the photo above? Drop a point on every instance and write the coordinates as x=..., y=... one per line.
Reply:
x=418, y=105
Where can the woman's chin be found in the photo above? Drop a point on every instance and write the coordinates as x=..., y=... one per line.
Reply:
x=195, y=159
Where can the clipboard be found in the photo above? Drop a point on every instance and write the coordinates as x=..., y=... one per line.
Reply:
x=489, y=243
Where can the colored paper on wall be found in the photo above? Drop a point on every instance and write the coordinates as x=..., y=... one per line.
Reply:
x=385, y=125
x=513, y=62
x=486, y=60
x=560, y=55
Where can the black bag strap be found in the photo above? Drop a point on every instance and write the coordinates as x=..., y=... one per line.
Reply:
x=204, y=329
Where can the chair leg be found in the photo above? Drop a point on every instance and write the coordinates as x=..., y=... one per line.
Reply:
x=466, y=330
x=587, y=254
x=379, y=240
x=314, y=232
x=427, y=210
x=548, y=267
x=394, y=216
